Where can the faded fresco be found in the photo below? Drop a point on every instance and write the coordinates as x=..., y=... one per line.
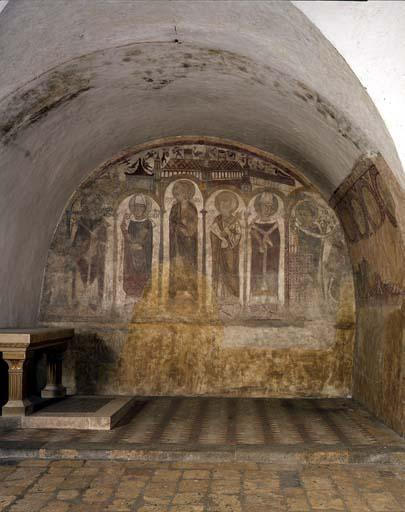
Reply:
x=368, y=202
x=206, y=251
x=367, y=209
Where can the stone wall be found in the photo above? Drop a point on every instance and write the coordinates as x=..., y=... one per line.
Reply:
x=193, y=267
x=369, y=203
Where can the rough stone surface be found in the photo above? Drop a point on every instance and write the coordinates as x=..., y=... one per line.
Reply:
x=184, y=487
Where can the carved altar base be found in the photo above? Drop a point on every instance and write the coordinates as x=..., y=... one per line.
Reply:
x=18, y=347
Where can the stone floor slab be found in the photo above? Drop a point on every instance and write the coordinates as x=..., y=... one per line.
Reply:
x=220, y=488
x=299, y=431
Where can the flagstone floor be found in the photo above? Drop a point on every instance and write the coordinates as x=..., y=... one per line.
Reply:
x=208, y=455
x=90, y=486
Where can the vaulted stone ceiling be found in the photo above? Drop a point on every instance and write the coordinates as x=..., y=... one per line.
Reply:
x=83, y=80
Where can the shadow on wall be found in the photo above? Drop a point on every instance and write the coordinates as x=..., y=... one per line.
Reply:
x=89, y=363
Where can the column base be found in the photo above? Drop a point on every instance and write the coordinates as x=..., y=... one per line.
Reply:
x=17, y=408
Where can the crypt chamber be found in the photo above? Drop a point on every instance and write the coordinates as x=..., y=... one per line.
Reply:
x=216, y=213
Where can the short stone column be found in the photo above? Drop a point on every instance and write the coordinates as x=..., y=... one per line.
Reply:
x=17, y=347
x=54, y=387
x=18, y=404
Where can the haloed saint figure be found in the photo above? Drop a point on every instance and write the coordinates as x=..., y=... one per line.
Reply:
x=183, y=234
x=265, y=236
x=137, y=231
x=226, y=233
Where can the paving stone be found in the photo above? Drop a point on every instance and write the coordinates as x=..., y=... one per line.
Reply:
x=193, y=486
x=68, y=495
x=322, y=500
x=187, y=508
x=188, y=498
x=60, y=471
x=221, y=488
x=156, y=499
x=24, y=474
x=296, y=500
x=153, y=508
x=97, y=494
x=128, y=491
x=55, y=506
x=87, y=507
x=265, y=501
x=120, y=505
x=5, y=501
x=160, y=489
x=195, y=474
x=47, y=484
x=228, y=474
x=30, y=503
x=382, y=502
x=75, y=483
x=165, y=475
x=226, y=486
x=80, y=472
x=223, y=503
x=10, y=489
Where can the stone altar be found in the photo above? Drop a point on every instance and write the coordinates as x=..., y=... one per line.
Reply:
x=17, y=347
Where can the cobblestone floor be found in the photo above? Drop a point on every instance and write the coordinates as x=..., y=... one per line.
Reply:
x=69, y=485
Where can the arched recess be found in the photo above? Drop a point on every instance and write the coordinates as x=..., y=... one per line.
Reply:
x=245, y=74
x=202, y=266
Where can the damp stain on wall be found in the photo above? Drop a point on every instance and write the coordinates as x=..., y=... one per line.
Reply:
x=34, y=103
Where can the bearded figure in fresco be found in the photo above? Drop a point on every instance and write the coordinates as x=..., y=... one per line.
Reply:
x=183, y=235
x=137, y=231
x=226, y=234
x=88, y=246
x=265, y=237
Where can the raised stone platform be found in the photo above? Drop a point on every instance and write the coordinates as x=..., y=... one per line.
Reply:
x=211, y=430
x=81, y=413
